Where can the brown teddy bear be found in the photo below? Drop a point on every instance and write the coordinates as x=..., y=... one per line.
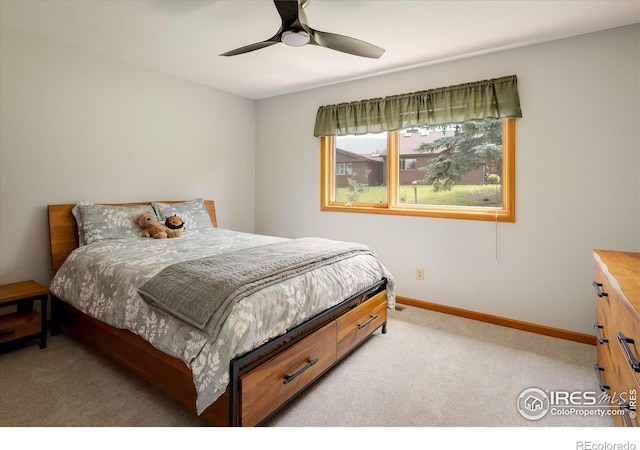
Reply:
x=157, y=230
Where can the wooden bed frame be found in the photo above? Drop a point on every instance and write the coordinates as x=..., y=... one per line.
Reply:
x=262, y=381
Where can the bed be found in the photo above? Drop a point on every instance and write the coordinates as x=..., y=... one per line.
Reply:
x=273, y=340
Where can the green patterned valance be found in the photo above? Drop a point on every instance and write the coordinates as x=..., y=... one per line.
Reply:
x=488, y=99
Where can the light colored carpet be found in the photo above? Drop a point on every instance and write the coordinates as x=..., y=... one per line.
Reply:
x=429, y=370
x=437, y=370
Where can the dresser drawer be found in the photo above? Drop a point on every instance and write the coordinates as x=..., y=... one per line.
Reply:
x=358, y=323
x=622, y=330
x=605, y=338
x=624, y=393
x=271, y=384
x=620, y=381
x=603, y=328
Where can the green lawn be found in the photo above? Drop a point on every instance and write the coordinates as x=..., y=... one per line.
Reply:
x=459, y=195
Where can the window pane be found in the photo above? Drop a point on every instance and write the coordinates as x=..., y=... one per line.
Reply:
x=452, y=165
x=361, y=169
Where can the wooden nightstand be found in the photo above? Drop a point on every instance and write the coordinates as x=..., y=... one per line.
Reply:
x=25, y=323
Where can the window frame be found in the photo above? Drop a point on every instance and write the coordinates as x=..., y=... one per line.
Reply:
x=506, y=213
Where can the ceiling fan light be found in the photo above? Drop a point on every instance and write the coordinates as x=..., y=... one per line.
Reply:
x=295, y=38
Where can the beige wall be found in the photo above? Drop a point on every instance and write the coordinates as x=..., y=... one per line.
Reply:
x=78, y=126
x=577, y=188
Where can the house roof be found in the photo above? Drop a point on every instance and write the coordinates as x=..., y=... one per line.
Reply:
x=374, y=147
x=408, y=142
x=357, y=156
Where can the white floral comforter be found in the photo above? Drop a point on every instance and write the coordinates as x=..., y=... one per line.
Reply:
x=102, y=281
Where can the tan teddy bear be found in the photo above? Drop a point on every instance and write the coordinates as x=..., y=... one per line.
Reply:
x=157, y=230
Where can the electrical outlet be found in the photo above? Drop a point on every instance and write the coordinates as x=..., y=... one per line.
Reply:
x=419, y=273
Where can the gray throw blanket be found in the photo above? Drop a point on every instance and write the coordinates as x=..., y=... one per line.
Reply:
x=203, y=291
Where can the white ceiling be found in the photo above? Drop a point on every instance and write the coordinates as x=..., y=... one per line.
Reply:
x=185, y=38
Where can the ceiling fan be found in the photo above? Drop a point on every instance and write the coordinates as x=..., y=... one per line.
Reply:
x=296, y=32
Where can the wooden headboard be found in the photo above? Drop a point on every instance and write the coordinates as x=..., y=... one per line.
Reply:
x=63, y=231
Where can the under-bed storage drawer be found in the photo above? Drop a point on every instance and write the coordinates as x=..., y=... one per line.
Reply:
x=269, y=385
x=358, y=323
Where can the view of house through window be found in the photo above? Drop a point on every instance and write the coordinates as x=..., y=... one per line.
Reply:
x=367, y=157
x=457, y=165
x=454, y=166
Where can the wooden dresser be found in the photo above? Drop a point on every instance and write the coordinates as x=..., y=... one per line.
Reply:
x=617, y=328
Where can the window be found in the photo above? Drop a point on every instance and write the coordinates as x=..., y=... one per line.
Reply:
x=368, y=154
x=344, y=169
x=444, y=152
x=408, y=163
x=464, y=171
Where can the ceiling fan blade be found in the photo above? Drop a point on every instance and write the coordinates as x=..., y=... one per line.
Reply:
x=251, y=47
x=288, y=10
x=345, y=44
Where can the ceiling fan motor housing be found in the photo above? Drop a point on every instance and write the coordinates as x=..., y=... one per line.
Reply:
x=295, y=38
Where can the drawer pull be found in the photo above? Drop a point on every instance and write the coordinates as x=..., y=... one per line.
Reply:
x=624, y=341
x=598, y=327
x=290, y=378
x=369, y=320
x=599, y=292
x=603, y=386
x=5, y=333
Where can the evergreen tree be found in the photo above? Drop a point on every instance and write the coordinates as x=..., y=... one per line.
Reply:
x=473, y=145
